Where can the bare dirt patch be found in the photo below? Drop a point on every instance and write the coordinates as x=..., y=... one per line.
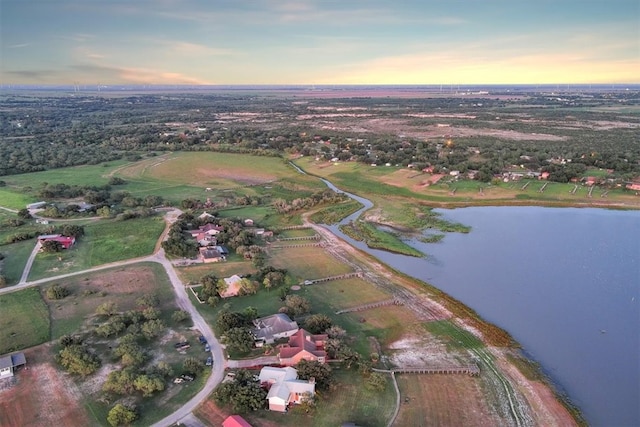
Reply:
x=42, y=395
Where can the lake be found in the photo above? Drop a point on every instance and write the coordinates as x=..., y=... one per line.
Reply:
x=564, y=282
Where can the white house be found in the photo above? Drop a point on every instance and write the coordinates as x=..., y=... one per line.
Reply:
x=285, y=388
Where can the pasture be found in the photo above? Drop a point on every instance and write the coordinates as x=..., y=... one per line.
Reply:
x=24, y=320
x=14, y=198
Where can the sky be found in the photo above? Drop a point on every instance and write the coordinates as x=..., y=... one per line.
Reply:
x=319, y=42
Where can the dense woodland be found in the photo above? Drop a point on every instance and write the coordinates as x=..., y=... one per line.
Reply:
x=593, y=130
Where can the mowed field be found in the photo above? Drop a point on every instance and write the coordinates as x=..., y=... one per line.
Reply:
x=307, y=262
x=24, y=320
x=214, y=170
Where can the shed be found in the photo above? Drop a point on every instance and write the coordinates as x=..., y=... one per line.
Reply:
x=10, y=362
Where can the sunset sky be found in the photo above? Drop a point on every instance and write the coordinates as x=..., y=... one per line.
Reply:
x=319, y=41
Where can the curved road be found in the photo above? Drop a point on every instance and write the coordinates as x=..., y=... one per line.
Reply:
x=183, y=301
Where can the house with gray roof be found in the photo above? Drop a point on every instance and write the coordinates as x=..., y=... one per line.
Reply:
x=270, y=328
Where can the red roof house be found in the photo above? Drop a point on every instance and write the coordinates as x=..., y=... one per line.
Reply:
x=303, y=345
x=65, y=241
x=235, y=421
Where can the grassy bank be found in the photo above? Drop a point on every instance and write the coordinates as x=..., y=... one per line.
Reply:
x=24, y=320
x=378, y=239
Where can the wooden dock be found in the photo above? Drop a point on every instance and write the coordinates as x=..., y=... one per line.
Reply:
x=393, y=301
x=472, y=370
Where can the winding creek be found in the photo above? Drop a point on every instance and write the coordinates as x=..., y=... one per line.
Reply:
x=564, y=282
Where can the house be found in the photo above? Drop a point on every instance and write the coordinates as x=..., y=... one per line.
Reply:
x=303, y=345
x=270, y=328
x=206, y=215
x=65, y=241
x=235, y=421
x=591, y=180
x=544, y=175
x=84, y=206
x=10, y=362
x=36, y=205
x=633, y=186
x=248, y=222
x=234, y=285
x=211, y=229
x=284, y=387
x=208, y=255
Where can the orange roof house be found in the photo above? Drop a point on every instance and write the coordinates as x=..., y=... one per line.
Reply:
x=234, y=285
x=235, y=421
x=303, y=346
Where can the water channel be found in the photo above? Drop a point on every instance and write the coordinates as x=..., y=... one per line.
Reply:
x=564, y=282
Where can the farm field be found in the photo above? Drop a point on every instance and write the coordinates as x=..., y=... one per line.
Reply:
x=14, y=198
x=24, y=320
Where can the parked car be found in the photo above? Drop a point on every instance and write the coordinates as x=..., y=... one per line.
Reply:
x=202, y=339
x=181, y=344
x=207, y=348
x=209, y=361
x=186, y=377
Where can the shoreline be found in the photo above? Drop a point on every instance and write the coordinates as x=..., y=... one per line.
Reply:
x=498, y=342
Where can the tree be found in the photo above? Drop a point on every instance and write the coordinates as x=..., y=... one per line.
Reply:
x=108, y=308
x=317, y=323
x=179, y=316
x=51, y=246
x=56, y=292
x=295, y=305
x=148, y=384
x=120, y=382
x=151, y=313
x=77, y=359
x=313, y=369
x=243, y=393
x=148, y=301
x=152, y=328
x=376, y=382
x=24, y=213
x=239, y=340
x=192, y=365
x=122, y=415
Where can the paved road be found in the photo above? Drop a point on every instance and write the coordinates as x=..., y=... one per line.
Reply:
x=182, y=300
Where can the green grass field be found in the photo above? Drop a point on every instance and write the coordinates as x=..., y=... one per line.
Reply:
x=24, y=320
x=304, y=263
x=16, y=255
x=14, y=198
x=104, y=241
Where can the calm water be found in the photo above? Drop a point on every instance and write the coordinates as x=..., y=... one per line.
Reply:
x=564, y=282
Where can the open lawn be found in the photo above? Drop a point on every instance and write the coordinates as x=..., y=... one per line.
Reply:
x=104, y=241
x=297, y=232
x=349, y=402
x=14, y=198
x=16, y=255
x=306, y=263
x=24, y=320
